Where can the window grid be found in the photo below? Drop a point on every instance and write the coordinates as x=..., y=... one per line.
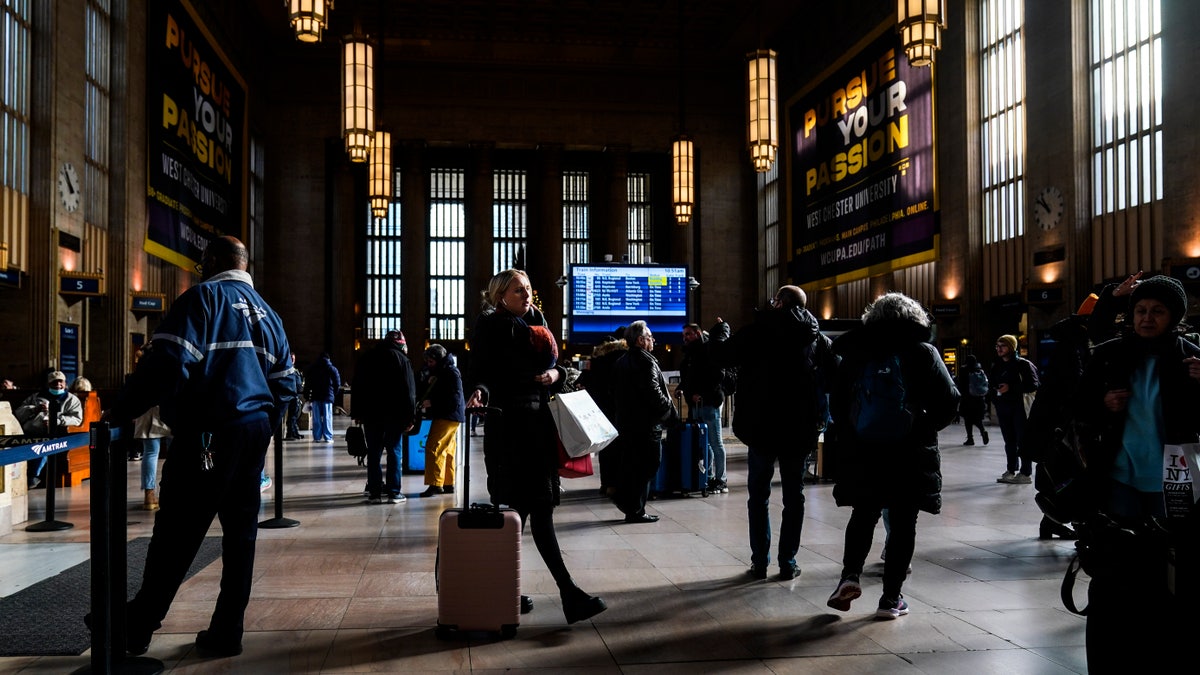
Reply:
x=447, y=248
x=576, y=228
x=14, y=96
x=1002, y=101
x=1127, y=136
x=509, y=213
x=768, y=225
x=641, y=210
x=96, y=106
x=383, y=269
x=257, y=190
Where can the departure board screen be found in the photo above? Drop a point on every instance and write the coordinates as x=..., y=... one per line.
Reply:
x=606, y=297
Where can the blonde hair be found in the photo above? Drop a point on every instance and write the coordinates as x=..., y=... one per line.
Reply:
x=499, y=284
x=81, y=384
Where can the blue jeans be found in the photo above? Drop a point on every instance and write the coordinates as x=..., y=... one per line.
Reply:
x=711, y=416
x=761, y=463
x=383, y=437
x=322, y=420
x=150, y=449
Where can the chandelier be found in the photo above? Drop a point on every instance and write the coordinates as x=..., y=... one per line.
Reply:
x=358, y=96
x=920, y=23
x=682, y=184
x=380, y=174
x=309, y=18
x=761, y=131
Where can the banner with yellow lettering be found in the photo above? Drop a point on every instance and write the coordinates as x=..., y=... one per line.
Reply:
x=862, y=199
x=196, y=124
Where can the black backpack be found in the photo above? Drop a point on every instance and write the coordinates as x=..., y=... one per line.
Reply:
x=356, y=443
x=878, y=410
x=729, y=381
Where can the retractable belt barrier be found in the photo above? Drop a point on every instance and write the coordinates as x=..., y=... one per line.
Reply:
x=14, y=449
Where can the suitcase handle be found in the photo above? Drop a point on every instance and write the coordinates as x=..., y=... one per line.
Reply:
x=486, y=411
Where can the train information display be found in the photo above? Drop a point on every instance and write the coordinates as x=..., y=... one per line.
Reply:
x=605, y=297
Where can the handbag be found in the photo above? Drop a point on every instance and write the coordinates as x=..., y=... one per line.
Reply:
x=573, y=467
x=356, y=443
x=582, y=427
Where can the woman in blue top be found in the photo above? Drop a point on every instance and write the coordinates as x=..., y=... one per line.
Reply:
x=1139, y=392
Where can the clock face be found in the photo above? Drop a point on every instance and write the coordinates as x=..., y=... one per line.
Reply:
x=68, y=187
x=1048, y=208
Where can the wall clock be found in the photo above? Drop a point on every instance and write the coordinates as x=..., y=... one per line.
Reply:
x=68, y=187
x=1048, y=208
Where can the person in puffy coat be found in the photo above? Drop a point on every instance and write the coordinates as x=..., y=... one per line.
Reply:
x=321, y=382
x=902, y=473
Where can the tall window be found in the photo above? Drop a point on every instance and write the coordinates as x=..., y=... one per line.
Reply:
x=509, y=209
x=14, y=128
x=641, y=211
x=447, y=247
x=768, y=224
x=1126, y=60
x=576, y=227
x=96, y=108
x=257, y=190
x=383, y=269
x=1002, y=94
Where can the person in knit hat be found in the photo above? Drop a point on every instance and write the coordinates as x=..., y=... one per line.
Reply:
x=1010, y=379
x=1136, y=412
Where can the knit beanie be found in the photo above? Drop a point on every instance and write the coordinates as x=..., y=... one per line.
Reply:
x=1166, y=290
x=1009, y=340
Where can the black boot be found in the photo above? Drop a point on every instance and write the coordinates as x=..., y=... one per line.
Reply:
x=1048, y=528
x=579, y=606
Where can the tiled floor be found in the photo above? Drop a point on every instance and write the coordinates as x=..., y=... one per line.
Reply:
x=352, y=590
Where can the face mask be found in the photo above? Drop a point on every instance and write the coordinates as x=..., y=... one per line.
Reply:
x=58, y=392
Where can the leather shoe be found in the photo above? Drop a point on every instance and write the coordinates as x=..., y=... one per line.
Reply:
x=526, y=604
x=789, y=571
x=447, y=489
x=641, y=518
x=136, y=642
x=431, y=491
x=580, y=606
x=208, y=644
x=757, y=571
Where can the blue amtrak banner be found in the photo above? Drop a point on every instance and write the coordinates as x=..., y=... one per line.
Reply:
x=861, y=200
x=197, y=146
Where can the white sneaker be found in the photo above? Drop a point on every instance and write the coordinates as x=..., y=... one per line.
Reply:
x=891, y=609
x=1006, y=477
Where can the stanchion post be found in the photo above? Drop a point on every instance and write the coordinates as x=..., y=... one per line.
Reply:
x=50, y=524
x=278, y=521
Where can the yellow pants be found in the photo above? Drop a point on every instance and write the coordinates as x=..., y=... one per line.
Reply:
x=439, y=453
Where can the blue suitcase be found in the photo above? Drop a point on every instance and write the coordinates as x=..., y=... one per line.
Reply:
x=413, y=458
x=685, y=461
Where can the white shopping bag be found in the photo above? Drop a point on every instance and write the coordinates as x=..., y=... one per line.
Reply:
x=582, y=427
x=1181, y=479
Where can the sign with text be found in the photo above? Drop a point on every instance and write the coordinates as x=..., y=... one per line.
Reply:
x=79, y=284
x=147, y=302
x=196, y=137
x=68, y=350
x=861, y=199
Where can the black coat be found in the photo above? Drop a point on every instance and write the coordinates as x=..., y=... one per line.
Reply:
x=784, y=363
x=699, y=373
x=521, y=444
x=643, y=406
x=321, y=381
x=442, y=387
x=383, y=390
x=905, y=470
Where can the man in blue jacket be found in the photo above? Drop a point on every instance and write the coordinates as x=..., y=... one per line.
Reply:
x=219, y=368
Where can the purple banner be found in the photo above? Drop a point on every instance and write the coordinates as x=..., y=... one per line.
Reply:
x=862, y=167
x=197, y=145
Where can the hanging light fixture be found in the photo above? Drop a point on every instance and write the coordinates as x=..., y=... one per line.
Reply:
x=358, y=96
x=309, y=18
x=682, y=183
x=380, y=174
x=920, y=23
x=761, y=132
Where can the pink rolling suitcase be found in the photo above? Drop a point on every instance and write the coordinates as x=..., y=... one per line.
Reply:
x=478, y=571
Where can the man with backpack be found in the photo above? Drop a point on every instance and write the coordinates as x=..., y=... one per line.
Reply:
x=702, y=382
x=782, y=359
x=973, y=385
x=1012, y=377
